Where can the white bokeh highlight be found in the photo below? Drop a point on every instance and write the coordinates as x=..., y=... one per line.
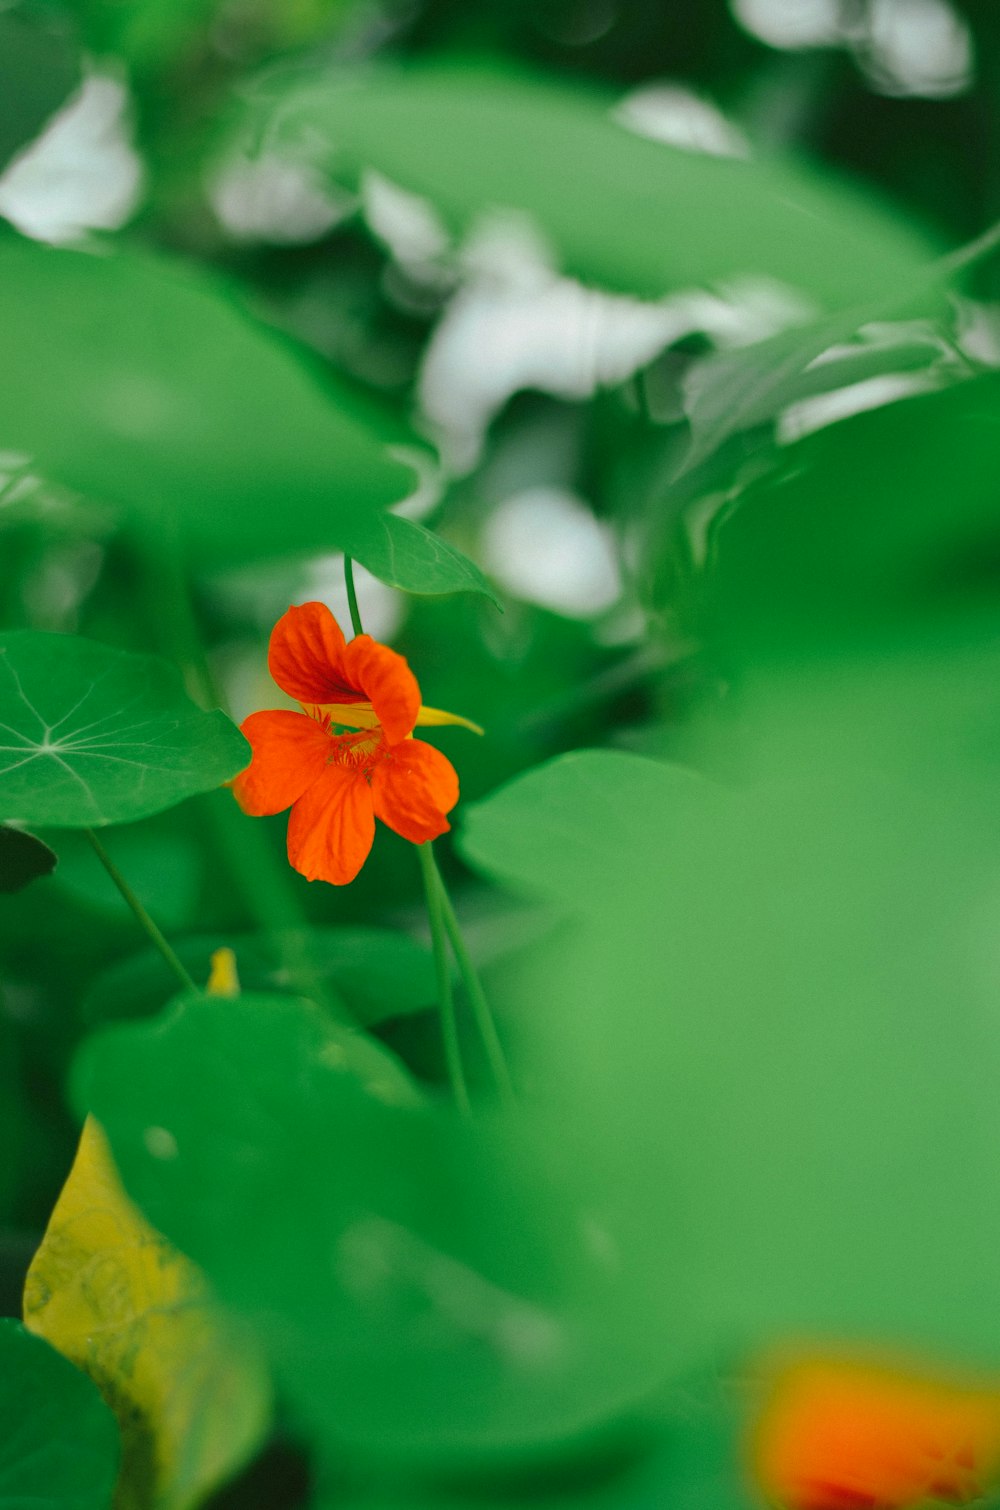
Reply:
x=82, y=173
x=544, y=546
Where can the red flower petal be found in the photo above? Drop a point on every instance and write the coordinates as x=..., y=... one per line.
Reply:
x=387, y=682
x=290, y=751
x=413, y=788
x=332, y=827
x=306, y=657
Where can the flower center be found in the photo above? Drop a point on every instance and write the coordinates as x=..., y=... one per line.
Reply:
x=361, y=749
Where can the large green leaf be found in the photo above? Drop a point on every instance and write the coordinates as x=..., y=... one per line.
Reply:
x=59, y=1442
x=92, y=735
x=624, y=211
x=39, y=67
x=776, y=1022
x=154, y=393
x=420, y=1283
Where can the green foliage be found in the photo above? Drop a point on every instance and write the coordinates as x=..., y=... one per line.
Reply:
x=723, y=875
x=886, y=518
x=59, y=1447
x=154, y=393
x=95, y=735
x=377, y=973
x=624, y=212
x=420, y=1285
x=779, y=1012
x=23, y=858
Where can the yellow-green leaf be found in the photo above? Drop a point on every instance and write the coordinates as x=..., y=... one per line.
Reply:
x=191, y=1396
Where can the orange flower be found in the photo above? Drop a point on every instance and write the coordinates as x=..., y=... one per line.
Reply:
x=337, y=784
x=850, y=1436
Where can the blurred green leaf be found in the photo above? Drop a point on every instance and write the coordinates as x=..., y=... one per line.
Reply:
x=93, y=735
x=154, y=393
x=567, y=827
x=776, y=1015
x=867, y=523
x=23, y=858
x=624, y=212
x=39, y=68
x=59, y=1447
x=420, y=1284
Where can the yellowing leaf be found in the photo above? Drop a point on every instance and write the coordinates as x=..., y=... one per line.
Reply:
x=191, y=1396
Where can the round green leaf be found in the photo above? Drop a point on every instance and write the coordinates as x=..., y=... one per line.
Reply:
x=91, y=735
x=59, y=1443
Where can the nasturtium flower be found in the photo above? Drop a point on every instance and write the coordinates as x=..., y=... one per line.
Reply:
x=839, y=1435
x=348, y=757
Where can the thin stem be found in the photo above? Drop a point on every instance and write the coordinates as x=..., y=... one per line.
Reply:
x=481, y=1010
x=352, y=597
x=446, y=997
x=145, y=921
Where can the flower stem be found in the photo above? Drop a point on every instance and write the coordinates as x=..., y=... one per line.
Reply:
x=474, y=990
x=352, y=597
x=446, y=997
x=144, y=919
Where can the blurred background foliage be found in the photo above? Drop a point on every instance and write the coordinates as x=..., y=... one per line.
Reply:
x=560, y=271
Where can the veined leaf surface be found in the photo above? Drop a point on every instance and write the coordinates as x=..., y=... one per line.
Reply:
x=91, y=735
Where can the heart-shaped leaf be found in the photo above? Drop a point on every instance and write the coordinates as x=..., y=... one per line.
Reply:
x=91, y=735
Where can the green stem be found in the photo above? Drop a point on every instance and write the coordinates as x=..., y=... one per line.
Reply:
x=446, y=997
x=145, y=921
x=474, y=990
x=352, y=597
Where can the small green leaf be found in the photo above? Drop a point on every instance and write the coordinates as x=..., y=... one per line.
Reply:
x=624, y=212
x=91, y=735
x=39, y=68
x=23, y=858
x=403, y=554
x=59, y=1442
